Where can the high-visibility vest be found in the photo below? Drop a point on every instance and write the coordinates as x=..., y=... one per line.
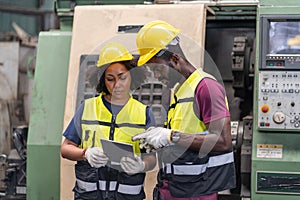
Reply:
x=98, y=122
x=192, y=173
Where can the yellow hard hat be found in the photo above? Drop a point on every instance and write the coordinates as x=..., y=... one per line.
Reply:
x=113, y=52
x=153, y=37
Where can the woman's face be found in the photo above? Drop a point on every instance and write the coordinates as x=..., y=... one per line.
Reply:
x=117, y=81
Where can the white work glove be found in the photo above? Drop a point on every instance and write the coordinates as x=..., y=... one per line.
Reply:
x=96, y=157
x=157, y=137
x=132, y=165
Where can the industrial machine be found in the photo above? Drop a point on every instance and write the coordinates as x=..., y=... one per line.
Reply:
x=52, y=73
x=261, y=74
x=275, y=151
x=15, y=166
x=17, y=61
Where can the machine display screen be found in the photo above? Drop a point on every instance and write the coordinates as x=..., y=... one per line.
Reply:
x=280, y=36
x=284, y=37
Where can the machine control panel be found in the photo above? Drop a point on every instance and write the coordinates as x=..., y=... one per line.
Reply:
x=282, y=61
x=279, y=100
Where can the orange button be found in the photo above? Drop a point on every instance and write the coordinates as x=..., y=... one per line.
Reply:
x=265, y=108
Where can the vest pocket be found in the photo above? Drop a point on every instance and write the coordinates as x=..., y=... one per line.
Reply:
x=135, y=179
x=181, y=155
x=184, y=186
x=85, y=172
x=86, y=180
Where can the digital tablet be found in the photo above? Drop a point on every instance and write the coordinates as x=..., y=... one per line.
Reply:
x=116, y=150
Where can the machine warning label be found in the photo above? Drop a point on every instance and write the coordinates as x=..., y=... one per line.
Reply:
x=269, y=151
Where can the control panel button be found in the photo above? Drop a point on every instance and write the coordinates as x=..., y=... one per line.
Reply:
x=265, y=108
x=279, y=117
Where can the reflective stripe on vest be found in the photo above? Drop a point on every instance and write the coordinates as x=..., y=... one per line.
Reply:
x=112, y=185
x=214, y=161
x=86, y=186
x=122, y=188
x=130, y=189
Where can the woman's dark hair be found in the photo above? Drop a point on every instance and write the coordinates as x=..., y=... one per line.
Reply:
x=137, y=75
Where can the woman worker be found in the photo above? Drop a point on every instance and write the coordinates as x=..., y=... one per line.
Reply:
x=113, y=115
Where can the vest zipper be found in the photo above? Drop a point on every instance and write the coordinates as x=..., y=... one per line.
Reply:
x=111, y=137
x=112, y=127
x=107, y=177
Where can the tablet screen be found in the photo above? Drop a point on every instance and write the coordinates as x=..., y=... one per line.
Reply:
x=116, y=150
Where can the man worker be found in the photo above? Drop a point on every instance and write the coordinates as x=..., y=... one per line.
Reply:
x=195, y=149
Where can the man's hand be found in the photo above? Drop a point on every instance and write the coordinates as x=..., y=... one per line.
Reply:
x=157, y=137
x=132, y=165
x=96, y=157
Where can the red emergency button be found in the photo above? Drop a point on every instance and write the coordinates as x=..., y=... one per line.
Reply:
x=265, y=108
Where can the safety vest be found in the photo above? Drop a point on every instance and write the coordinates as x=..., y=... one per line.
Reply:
x=98, y=122
x=192, y=173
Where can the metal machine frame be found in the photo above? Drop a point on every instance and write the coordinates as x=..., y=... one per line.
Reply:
x=275, y=150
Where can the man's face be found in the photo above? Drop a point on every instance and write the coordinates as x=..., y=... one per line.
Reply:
x=161, y=69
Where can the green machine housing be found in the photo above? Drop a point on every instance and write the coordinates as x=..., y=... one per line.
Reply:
x=47, y=115
x=275, y=173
